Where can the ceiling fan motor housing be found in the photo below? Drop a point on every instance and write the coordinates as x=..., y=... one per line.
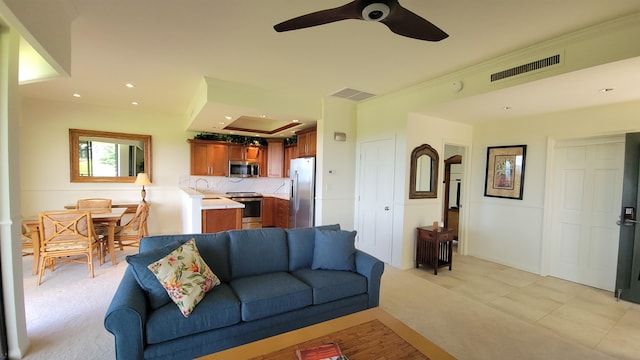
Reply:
x=376, y=11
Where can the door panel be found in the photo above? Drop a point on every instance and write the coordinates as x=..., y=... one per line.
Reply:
x=628, y=275
x=588, y=187
x=375, y=213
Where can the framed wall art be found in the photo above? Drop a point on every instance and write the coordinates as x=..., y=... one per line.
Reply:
x=505, y=171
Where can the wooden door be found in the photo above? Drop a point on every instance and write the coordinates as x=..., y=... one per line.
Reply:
x=217, y=154
x=275, y=156
x=199, y=163
x=268, y=211
x=587, y=198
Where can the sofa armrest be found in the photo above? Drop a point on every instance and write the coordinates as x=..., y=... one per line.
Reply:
x=126, y=317
x=372, y=269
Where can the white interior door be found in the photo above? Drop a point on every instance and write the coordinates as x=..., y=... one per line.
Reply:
x=375, y=212
x=587, y=198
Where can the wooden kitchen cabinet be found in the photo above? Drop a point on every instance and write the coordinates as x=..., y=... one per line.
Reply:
x=268, y=211
x=281, y=213
x=307, y=143
x=275, y=212
x=239, y=152
x=216, y=220
x=290, y=152
x=209, y=158
x=275, y=157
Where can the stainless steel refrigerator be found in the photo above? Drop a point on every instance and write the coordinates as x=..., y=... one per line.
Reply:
x=302, y=173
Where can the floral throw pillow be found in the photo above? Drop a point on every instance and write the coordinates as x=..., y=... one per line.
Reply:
x=185, y=276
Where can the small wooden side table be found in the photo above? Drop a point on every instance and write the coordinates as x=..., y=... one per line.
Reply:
x=434, y=247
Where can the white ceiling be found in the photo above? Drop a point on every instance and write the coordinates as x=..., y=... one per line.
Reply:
x=166, y=47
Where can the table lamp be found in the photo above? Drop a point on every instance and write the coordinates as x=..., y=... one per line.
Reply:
x=143, y=180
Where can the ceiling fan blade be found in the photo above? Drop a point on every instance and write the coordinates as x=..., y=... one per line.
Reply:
x=344, y=12
x=406, y=23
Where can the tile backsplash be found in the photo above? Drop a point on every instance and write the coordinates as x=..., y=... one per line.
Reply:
x=223, y=184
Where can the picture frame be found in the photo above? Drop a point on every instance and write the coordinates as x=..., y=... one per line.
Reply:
x=505, y=171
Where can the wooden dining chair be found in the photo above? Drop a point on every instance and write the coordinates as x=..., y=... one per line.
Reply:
x=93, y=204
x=28, y=247
x=67, y=236
x=131, y=233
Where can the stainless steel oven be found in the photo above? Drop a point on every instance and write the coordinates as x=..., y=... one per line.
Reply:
x=252, y=212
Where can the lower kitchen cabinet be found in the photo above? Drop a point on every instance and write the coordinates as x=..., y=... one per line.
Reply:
x=275, y=212
x=282, y=213
x=216, y=220
x=268, y=211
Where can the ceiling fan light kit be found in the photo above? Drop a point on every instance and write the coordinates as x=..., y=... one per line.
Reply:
x=375, y=12
x=389, y=12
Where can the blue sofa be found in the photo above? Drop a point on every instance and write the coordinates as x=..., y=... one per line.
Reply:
x=268, y=286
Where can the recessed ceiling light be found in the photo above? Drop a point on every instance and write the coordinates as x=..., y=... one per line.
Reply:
x=129, y=85
x=606, y=89
x=135, y=103
x=221, y=123
x=295, y=121
x=228, y=117
x=506, y=108
x=76, y=95
x=263, y=116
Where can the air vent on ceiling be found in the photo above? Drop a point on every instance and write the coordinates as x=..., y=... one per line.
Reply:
x=521, y=69
x=352, y=94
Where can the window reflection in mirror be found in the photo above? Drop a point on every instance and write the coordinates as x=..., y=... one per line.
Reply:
x=98, y=156
x=423, y=173
x=423, y=181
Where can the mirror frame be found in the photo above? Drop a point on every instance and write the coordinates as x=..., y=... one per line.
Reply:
x=74, y=155
x=422, y=150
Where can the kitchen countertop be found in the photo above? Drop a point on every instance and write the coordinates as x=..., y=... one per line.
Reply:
x=212, y=200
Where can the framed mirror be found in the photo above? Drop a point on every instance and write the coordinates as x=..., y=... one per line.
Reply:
x=100, y=156
x=423, y=181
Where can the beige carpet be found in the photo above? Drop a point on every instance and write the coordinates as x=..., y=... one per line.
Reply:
x=65, y=318
x=65, y=313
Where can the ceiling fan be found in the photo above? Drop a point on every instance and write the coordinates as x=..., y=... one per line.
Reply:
x=389, y=12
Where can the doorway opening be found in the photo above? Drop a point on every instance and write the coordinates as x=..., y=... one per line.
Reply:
x=452, y=192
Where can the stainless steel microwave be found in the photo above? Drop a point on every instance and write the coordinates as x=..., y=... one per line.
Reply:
x=243, y=169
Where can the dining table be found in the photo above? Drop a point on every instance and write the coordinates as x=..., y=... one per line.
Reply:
x=111, y=219
x=108, y=217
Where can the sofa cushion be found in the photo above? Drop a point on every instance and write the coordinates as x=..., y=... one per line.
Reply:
x=220, y=308
x=214, y=249
x=257, y=251
x=334, y=250
x=270, y=294
x=146, y=279
x=330, y=285
x=301, y=242
x=185, y=276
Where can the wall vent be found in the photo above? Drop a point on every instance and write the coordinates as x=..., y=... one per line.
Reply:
x=521, y=69
x=352, y=94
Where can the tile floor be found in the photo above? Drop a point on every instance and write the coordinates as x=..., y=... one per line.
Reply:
x=589, y=316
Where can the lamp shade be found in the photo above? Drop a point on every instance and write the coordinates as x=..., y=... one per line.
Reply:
x=142, y=179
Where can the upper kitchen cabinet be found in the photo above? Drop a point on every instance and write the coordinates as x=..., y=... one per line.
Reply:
x=307, y=142
x=290, y=152
x=275, y=156
x=244, y=153
x=209, y=158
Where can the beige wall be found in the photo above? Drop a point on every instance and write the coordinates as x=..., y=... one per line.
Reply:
x=512, y=232
x=44, y=155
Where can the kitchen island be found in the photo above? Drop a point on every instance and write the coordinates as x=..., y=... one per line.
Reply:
x=209, y=212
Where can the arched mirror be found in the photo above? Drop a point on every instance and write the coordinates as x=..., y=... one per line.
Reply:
x=99, y=156
x=423, y=181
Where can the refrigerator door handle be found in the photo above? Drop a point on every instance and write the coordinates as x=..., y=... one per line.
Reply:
x=294, y=191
